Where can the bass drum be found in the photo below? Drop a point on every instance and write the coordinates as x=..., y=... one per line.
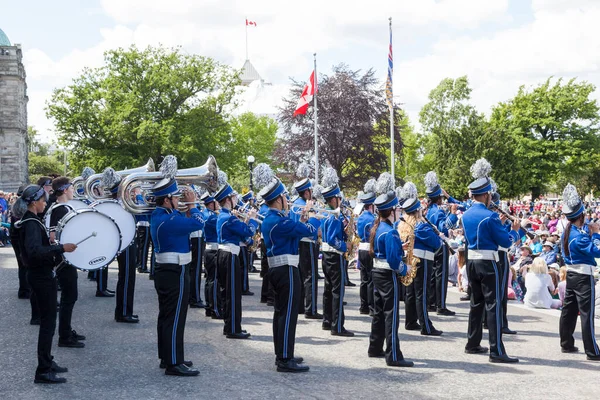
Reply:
x=48, y=214
x=77, y=204
x=124, y=220
x=95, y=252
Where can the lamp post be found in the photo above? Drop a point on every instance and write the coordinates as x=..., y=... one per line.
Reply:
x=250, y=164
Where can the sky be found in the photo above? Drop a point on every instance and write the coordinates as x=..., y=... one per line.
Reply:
x=499, y=44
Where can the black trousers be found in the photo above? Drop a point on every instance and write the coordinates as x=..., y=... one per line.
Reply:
x=43, y=284
x=152, y=258
x=384, y=326
x=333, y=294
x=415, y=300
x=266, y=290
x=579, y=298
x=126, y=282
x=286, y=286
x=67, y=278
x=245, y=267
x=196, y=269
x=484, y=280
x=504, y=266
x=228, y=276
x=309, y=275
x=102, y=279
x=24, y=289
x=172, y=284
x=143, y=246
x=438, y=283
x=366, y=281
x=212, y=293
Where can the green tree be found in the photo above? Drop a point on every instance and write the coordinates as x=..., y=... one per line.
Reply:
x=145, y=103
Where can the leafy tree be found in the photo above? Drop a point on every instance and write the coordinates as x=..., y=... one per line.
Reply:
x=353, y=127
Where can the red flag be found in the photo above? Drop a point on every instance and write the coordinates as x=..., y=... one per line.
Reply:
x=307, y=95
x=252, y=23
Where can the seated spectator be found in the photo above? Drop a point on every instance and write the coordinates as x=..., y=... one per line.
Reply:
x=463, y=279
x=514, y=288
x=562, y=285
x=453, y=264
x=548, y=253
x=540, y=287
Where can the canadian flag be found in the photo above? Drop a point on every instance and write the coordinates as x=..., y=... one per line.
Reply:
x=252, y=23
x=307, y=95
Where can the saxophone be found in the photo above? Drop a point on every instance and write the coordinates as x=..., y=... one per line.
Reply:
x=353, y=240
x=406, y=228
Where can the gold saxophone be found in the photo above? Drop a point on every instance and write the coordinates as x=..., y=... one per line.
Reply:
x=353, y=240
x=406, y=229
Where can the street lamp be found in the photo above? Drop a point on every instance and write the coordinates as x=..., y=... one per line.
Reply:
x=250, y=164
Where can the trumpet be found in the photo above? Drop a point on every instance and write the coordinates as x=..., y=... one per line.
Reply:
x=93, y=191
x=259, y=218
x=320, y=213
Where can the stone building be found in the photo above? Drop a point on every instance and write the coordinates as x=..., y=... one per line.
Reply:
x=13, y=117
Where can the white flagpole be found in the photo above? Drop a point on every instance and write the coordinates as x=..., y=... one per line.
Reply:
x=392, y=115
x=316, y=130
x=246, y=38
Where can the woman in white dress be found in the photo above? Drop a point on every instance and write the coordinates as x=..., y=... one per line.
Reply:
x=539, y=286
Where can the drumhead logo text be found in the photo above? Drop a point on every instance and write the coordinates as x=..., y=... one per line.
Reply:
x=97, y=260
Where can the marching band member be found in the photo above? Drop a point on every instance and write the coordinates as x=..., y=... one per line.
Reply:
x=386, y=249
x=364, y=225
x=24, y=288
x=245, y=259
x=66, y=273
x=231, y=231
x=282, y=252
x=142, y=235
x=333, y=249
x=101, y=275
x=197, y=248
x=435, y=215
x=581, y=248
x=212, y=294
x=38, y=256
x=266, y=290
x=484, y=233
x=170, y=234
x=308, y=253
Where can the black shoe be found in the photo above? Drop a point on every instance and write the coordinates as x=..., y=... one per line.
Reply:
x=48, y=377
x=291, y=366
x=326, y=326
x=593, y=358
x=271, y=303
x=70, y=342
x=151, y=277
x=24, y=295
x=431, y=308
x=240, y=335
x=477, y=350
x=432, y=332
x=350, y=284
x=247, y=293
x=110, y=291
x=128, y=319
x=225, y=333
x=508, y=331
x=313, y=316
x=104, y=293
x=263, y=300
x=215, y=316
x=254, y=270
x=400, y=363
x=208, y=312
x=503, y=359
x=344, y=332
x=298, y=360
x=345, y=303
x=198, y=304
x=465, y=298
x=485, y=326
x=445, y=311
x=76, y=336
x=380, y=354
x=58, y=370
x=143, y=270
x=181, y=370
x=35, y=321
x=413, y=327
x=163, y=364
x=364, y=312
x=569, y=350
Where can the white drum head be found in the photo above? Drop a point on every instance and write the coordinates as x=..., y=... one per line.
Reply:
x=77, y=204
x=96, y=252
x=124, y=220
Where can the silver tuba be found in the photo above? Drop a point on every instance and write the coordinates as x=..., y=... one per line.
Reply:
x=94, y=191
x=78, y=185
x=206, y=176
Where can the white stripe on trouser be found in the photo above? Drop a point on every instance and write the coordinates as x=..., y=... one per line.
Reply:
x=425, y=283
x=342, y=289
x=498, y=312
x=177, y=311
x=313, y=273
x=232, y=315
x=289, y=313
x=592, y=309
x=126, y=282
x=394, y=333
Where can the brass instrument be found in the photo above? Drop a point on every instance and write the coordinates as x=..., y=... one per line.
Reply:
x=353, y=239
x=318, y=212
x=78, y=184
x=93, y=182
x=406, y=229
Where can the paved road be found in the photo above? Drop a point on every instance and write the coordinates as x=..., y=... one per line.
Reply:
x=120, y=362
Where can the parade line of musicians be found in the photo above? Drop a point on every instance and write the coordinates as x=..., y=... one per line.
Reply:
x=220, y=240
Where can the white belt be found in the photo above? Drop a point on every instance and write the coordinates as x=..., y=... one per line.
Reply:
x=381, y=263
x=283, y=259
x=174, y=258
x=212, y=246
x=425, y=254
x=326, y=247
x=196, y=234
x=143, y=223
x=364, y=246
x=242, y=244
x=483, y=255
x=230, y=248
x=583, y=269
x=308, y=240
x=504, y=249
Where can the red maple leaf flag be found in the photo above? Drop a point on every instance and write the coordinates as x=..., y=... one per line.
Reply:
x=251, y=23
x=307, y=95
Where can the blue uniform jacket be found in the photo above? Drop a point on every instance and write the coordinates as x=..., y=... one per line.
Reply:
x=388, y=246
x=462, y=206
x=210, y=226
x=171, y=229
x=364, y=225
x=426, y=238
x=230, y=230
x=282, y=234
x=484, y=230
x=332, y=232
x=583, y=249
x=296, y=212
x=438, y=217
x=139, y=199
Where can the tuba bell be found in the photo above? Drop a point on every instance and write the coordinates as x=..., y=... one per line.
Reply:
x=93, y=191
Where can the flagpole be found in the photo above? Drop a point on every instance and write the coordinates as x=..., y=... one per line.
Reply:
x=392, y=114
x=316, y=130
x=246, y=38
